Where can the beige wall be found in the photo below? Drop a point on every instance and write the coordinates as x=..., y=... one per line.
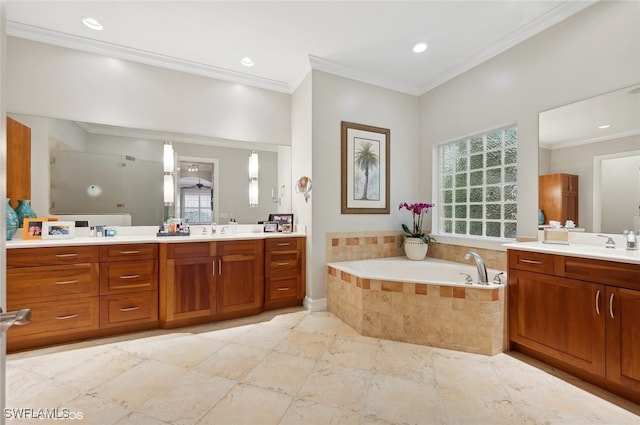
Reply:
x=593, y=52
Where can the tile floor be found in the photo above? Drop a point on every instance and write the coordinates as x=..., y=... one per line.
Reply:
x=296, y=368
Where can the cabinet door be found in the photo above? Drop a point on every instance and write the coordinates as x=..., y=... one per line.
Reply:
x=191, y=288
x=623, y=337
x=562, y=318
x=240, y=276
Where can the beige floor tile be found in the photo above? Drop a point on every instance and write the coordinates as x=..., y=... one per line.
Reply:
x=139, y=419
x=187, y=350
x=401, y=401
x=304, y=344
x=305, y=412
x=336, y=386
x=325, y=323
x=232, y=361
x=95, y=410
x=138, y=384
x=263, y=336
x=269, y=374
x=355, y=352
x=187, y=398
x=248, y=405
x=407, y=361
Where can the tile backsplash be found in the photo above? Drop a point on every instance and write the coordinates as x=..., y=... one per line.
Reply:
x=347, y=246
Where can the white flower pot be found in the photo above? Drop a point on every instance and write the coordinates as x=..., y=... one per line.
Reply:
x=415, y=248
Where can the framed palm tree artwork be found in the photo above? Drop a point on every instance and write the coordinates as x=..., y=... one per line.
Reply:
x=364, y=169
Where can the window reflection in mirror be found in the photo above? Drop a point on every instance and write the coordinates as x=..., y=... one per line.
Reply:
x=598, y=139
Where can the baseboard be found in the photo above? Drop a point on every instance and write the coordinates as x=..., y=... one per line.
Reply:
x=315, y=305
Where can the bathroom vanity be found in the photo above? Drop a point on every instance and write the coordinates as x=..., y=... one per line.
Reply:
x=578, y=309
x=91, y=287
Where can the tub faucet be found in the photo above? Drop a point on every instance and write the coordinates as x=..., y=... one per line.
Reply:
x=482, y=269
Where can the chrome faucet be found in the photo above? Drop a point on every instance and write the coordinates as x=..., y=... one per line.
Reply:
x=482, y=269
x=632, y=241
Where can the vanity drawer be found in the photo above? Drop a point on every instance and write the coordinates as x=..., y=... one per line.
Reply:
x=191, y=250
x=128, y=309
x=282, y=263
x=531, y=261
x=52, y=282
x=51, y=318
x=279, y=289
x=624, y=275
x=28, y=257
x=124, y=252
x=127, y=276
x=281, y=244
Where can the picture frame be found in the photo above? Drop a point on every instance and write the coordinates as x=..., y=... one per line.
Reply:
x=282, y=219
x=32, y=227
x=364, y=169
x=287, y=228
x=58, y=229
x=270, y=226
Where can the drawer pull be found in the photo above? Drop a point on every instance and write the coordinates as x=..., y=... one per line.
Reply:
x=130, y=276
x=598, y=302
x=611, y=307
x=129, y=252
x=73, y=254
x=70, y=316
x=130, y=308
x=530, y=261
x=283, y=264
x=284, y=244
x=66, y=282
x=286, y=288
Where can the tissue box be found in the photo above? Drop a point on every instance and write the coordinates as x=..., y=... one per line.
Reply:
x=557, y=236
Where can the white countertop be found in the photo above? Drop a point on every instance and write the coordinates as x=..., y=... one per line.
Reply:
x=146, y=238
x=598, y=252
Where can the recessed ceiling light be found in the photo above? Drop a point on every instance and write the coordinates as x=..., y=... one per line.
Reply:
x=602, y=127
x=93, y=24
x=247, y=61
x=420, y=47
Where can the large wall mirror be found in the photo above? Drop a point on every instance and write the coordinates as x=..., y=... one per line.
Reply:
x=106, y=170
x=597, y=139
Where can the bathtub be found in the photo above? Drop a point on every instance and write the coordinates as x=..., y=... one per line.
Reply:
x=432, y=270
x=422, y=302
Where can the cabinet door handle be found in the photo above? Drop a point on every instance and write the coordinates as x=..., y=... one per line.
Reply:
x=129, y=252
x=66, y=282
x=130, y=276
x=213, y=267
x=286, y=288
x=611, y=307
x=598, y=302
x=72, y=254
x=530, y=261
x=130, y=308
x=70, y=316
x=220, y=267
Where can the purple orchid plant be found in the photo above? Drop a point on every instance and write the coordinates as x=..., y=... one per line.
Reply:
x=418, y=211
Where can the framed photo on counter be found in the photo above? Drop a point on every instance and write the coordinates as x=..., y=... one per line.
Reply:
x=58, y=229
x=32, y=227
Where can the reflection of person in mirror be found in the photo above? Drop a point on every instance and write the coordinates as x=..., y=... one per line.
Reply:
x=35, y=229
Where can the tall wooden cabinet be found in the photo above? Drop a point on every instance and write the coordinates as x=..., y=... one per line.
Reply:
x=581, y=315
x=558, y=197
x=18, y=161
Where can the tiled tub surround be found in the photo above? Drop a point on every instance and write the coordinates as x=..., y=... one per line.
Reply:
x=463, y=318
x=348, y=246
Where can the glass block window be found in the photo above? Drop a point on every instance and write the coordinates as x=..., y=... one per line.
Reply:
x=477, y=185
x=197, y=206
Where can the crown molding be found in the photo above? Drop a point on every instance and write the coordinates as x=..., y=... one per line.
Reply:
x=56, y=38
x=363, y=77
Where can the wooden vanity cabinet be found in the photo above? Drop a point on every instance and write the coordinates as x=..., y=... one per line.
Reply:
x=285, y=280
x=129, y=286
x=208, y=281
x=61, y=287
x=580, y=315
x=187, y=283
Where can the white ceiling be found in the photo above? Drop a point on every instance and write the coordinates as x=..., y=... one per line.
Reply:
x=370, y=41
